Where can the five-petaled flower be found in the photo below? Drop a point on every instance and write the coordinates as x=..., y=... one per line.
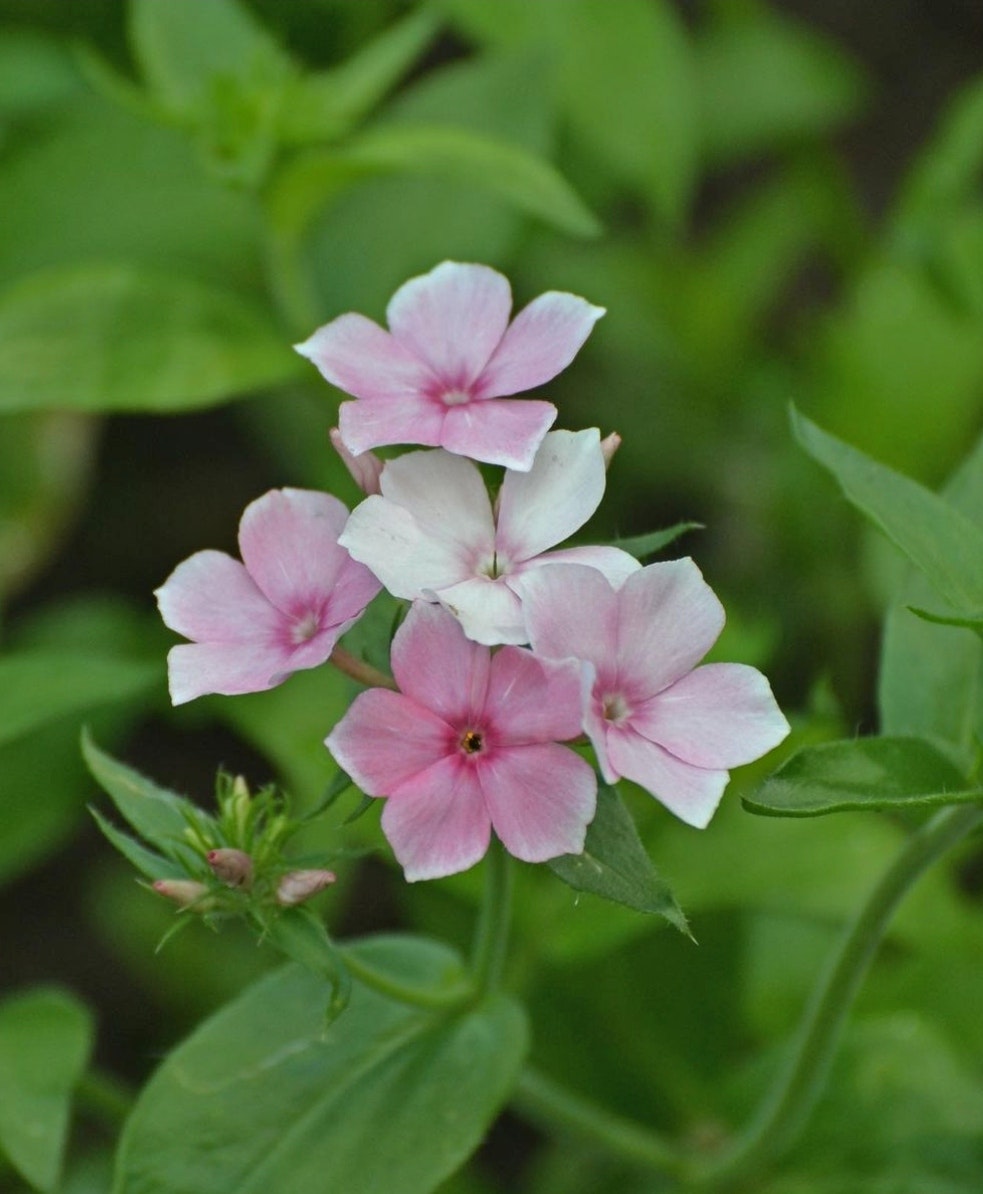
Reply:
x=433, y=532
x=470, y=743
x=652, y=715
x=283, y=609
x=442, y=375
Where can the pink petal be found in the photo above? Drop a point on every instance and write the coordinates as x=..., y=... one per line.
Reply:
x=453, y=318
x=540, y=508
x=436, y=666
x=365, y=469
x=289, y=544
x=543, y=339
x=541, y=799
x=359, y=357
x=389, y=541
x=571, y=612
x=487, y=609
x=718, y=716
x=227, y=668
x=409, y=419
x=385, y=739
x=317, y=650
x=531, y=699
x=504, y=431
x=613, y=563
x=446, y=496
x=354, y=588
x=669, y=618
x=210, y=597
x=437, y=822
x=692, y=793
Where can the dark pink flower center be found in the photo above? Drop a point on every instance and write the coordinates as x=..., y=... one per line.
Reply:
x=614, y=708
x=304, y=629
x=455, y=397
x=472, y=742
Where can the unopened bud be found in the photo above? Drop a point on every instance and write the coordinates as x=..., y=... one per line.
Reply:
x=366, y=469
x=183, y=891
x=297, y=886
x=233, y=867
x=609, y=445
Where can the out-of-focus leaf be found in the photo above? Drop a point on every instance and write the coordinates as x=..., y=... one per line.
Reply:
x=125, y=338
x=323, y=106
x=263, y=1098
x=647, y=545
x=35, y=73
x=766, y=81
x=37, y=688
x=862, y=773
x=614, y=863
x=967, y=621
x=45, y=1040
x=150, y=865
x=933, y=534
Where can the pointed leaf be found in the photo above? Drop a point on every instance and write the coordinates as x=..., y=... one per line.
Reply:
x=862, y=773
x=150, y=865
x=45, y=1041
x=641, y=546
x=390, y=1100
x=614, y=863
x=968, y=622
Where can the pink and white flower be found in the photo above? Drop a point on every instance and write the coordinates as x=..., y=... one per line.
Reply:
x=653, y=716
x=434, y=534
x=469, y=744
x=282, y=610
x=450, y=351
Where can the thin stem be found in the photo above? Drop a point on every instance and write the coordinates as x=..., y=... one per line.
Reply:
x=361, y=671
x=105, y=1098
x=787, y=1105
x=492, y=933
x=458, y=994
x=547, y=1103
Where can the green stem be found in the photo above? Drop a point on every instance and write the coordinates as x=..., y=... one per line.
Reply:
x=457, y=994
x=492, y=933
x=361, y=671
x=105, y=1098
x=799, y=1084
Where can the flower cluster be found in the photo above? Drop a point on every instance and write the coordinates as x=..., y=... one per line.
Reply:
x=510, y=648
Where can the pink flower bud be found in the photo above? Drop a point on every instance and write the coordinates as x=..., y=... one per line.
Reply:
x=365, y=469
x=184, y=892
x=609, y=445
x=233, y=867
x=297, y=886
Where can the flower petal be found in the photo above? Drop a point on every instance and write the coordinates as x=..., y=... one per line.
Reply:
x=540, y=508
x=487, y=609
x=446, y=496
x=541, y=799
x=611, y=562
x=505, y=431
x=409, y=419
x=718, y=716
x=437, y=822
x=386, y=738
x=669, y=618
x=363, y=359
x=532, y=699
x=210, y=597
x=227, y=668
x=571, y=611
x=389, y=541
x=289, y=544
x=692, y=793
x=453, y=318
x=436, y=666
x=544, y=338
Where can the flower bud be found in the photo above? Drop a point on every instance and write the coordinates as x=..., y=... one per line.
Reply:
x=233, y=867
x=297, y=886
x=184, y=892
x=365, y=469
x=609, y=445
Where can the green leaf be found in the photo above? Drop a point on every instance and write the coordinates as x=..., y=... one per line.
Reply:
x=766, y=81
x=933, y=534
x=150, y=865
x=647, y=545
x=35, y=72
x=390, y=1100
x=45, y=1040
x=101, y=337
x=862, y=773
x=39, y=687
x=968, y=622
x=614, y=863
x=325, y=105
x=155, y=813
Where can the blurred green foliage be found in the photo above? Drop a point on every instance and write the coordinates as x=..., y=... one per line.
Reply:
x=188, y=186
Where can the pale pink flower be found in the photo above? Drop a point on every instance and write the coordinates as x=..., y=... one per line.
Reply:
x=434, y=534
x=450, y=350
x=469, y=744
x=284, y=609
x=653, y=716
x=365, y=470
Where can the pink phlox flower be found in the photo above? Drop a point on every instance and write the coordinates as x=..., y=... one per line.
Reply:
x=283, y=609
x=364, y=470
x=652, y=715
x=471, y=743
x=433, y=532
x=449, y=351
